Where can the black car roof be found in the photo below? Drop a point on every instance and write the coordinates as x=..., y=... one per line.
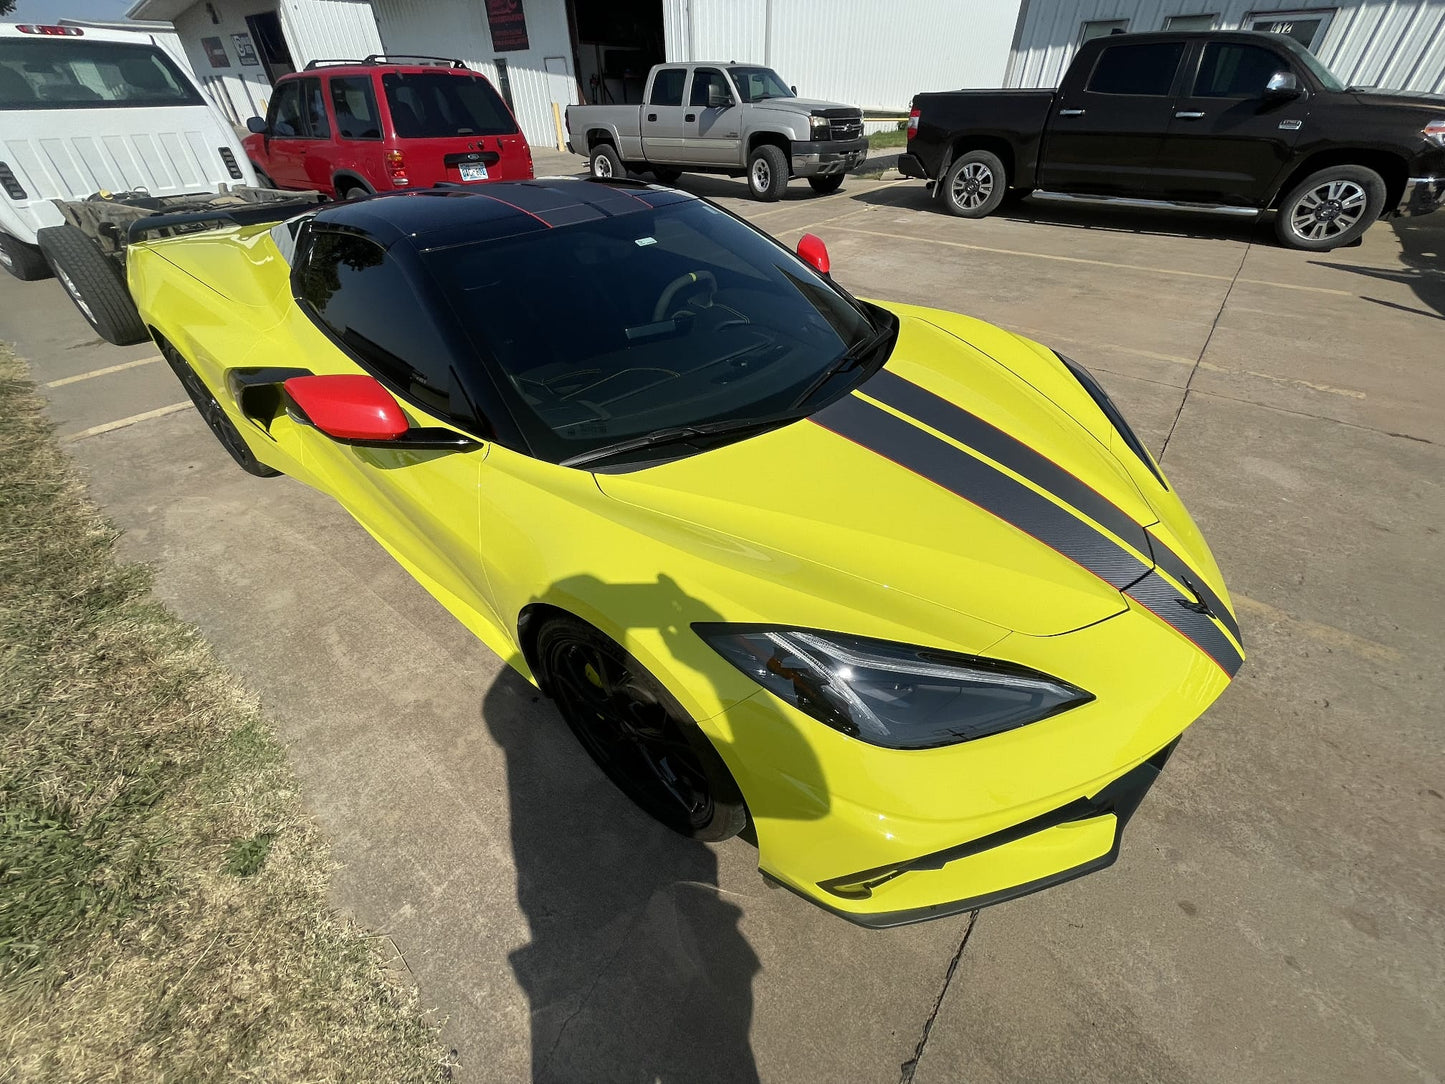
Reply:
x=437, y=217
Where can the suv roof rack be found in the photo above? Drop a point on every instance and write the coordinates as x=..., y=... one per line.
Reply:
x=389, y=58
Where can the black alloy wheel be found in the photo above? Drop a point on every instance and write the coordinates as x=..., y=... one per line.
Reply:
x=214, y=415
x=637, y=733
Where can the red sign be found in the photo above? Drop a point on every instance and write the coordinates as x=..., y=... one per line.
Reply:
x=508, y=25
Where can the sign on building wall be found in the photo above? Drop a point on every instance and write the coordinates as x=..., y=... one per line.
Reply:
x=216, y=52
x=245, y=51
x=508, y=23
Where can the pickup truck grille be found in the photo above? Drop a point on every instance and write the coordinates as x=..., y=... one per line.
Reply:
x=846, y=128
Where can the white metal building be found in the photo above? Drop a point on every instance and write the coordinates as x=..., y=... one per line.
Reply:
x=1390, y=43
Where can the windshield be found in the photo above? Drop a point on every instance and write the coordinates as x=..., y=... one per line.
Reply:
x=619, y=327
x=429, y=105
x=1309, y=60
x=755, y=84
x=41, y=74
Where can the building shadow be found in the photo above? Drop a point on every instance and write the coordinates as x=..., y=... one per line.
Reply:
x=637, y=970
x=1422, y=250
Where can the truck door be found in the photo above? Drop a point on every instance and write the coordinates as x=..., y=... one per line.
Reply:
x=712, y=122
x=662, y=123
x=1228, y=140
x=1109, y=121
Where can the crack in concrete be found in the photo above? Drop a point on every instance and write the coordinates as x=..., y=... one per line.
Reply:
x=1320, y=418
x=1188, y=384
x=911, y=1065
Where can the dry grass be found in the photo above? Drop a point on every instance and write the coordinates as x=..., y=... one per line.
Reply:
x=163, y=908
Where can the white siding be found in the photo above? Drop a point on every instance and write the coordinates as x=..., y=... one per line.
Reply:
x=855, y=51
x=240, y=91
x=457, y=28
x=1392, y=43
x=317, y=29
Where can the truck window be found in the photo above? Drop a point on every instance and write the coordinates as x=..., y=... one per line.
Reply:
x=40, y=74
x=667, y=86
x=708, y=85
x=757, y=84
x=353, y=101
x=430, y=105
x=1136, y=69
x=317, y=126
x=1230, y=70
x=286, y=120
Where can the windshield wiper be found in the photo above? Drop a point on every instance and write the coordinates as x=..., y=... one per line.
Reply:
x=849, y=359
x=680, y=434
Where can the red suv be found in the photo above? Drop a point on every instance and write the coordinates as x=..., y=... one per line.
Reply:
x=344, y=127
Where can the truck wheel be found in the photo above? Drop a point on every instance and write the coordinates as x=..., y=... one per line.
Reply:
x=666, y=174
x=605, y=162
x=1330, y=208
x=826, y=186
x=94, y=282
x=974, y=185
x=25, y=262
x=767, y=173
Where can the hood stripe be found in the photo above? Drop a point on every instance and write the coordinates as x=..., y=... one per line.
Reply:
x=1173, y=564
x=1011, y=501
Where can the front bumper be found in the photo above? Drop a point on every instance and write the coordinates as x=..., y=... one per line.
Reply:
x=828, y=157
x=1422, y=195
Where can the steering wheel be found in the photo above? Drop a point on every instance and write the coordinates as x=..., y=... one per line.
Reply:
x=706, y=279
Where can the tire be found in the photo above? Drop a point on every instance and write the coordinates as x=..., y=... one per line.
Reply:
x=1330, y=208
x=637, y=733
x=666, y=174
x=95, y=284
x=351, y=189
x=767, y=173
x=262, y=180
x=605, y=162
x=826, y=186
x=212, y=413
x=25, y=262
x=974, y=185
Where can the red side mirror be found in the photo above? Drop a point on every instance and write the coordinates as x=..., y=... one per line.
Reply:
x=348, y=407
x=811, y=250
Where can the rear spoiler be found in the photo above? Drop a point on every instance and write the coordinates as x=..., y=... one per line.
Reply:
x=185, y=222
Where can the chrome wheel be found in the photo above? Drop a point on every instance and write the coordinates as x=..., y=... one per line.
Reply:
x=74, y=292
x=762, y=175
x=601, y=166
x=1328, y=210
x=972, y=186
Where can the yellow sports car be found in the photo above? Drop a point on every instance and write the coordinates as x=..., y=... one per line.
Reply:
x=896, y=590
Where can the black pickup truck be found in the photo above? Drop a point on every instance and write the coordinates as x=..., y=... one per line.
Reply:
x=1239, y=123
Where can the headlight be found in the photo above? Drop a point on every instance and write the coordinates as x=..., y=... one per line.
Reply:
x=820, y=127
x=889, y=694
x=1116, y=418
x=1435, y=132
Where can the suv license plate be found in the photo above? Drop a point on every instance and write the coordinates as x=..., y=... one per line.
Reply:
x=473, y=172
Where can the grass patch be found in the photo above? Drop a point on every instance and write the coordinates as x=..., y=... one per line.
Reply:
x=163, y=909
x=891, y=138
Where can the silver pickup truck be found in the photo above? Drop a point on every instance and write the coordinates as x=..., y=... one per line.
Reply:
x=710, y=117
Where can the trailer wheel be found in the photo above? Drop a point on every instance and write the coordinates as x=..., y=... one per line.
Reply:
x=23, y=261
x=94, y=282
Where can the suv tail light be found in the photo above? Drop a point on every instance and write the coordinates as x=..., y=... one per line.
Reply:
x=51, y=31
x=913, y=123
x=230, y=160
x=396, y=169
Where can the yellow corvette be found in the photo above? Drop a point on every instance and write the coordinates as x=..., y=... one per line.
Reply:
x=895, y=589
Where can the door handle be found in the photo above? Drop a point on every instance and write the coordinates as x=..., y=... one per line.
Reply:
x=652, y=116
x=1188, y=114
x=1071, y=112
x=690, y=116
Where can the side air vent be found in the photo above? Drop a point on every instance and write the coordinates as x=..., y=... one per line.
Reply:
x=230, y=160
x=10, y=184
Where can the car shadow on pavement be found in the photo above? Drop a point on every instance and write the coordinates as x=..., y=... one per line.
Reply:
x=1422, y=250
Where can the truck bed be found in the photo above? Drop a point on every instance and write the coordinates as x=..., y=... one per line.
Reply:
x=1014, y=118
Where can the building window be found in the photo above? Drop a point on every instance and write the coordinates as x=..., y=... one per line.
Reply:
x=1306, y=27
x=1098, y=28
x=1190, y=22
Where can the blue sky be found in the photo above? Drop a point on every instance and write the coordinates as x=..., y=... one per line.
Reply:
x=46, y=11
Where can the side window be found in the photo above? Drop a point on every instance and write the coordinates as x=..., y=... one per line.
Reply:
x=1236, y=71
x=353, y=101
x=362, y=296
x=1137, y=69
x=709, y=88
x=286, y=111
x=667, y=87
x=314, y=105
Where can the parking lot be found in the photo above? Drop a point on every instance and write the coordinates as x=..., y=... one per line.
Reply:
x=1275, y=913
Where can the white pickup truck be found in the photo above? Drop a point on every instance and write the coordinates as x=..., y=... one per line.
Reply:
x=711, y=117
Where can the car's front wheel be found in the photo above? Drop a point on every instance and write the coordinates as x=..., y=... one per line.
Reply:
x=974, y=185
x=213, y=414
x=767, y=173
x=1330, y=208
x=637, y=732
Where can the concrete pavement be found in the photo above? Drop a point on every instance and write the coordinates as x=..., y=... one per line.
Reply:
x=1276, y=910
